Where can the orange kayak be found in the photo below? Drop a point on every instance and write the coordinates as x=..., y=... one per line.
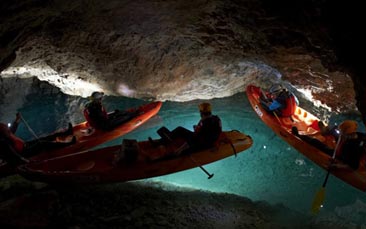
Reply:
x=86, y=139
x=304, y=122
x=131, y=161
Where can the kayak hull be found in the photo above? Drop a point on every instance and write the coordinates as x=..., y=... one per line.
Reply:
x=303, y=120
x=86, y=139
x=101, y=166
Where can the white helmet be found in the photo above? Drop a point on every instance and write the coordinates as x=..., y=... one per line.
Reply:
x=97, y=95
x=276, y=88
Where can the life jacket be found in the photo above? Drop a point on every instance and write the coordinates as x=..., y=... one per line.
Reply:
x=95, y=114
x=289, y=107
x=87, y=117
x=209, y=130
x=352, y=150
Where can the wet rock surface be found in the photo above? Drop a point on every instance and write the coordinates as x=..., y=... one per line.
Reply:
x=137, y=205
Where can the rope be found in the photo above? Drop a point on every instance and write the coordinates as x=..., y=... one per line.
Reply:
x=227, y=140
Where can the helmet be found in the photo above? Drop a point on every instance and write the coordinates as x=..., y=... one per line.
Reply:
x=348, y=127
x=205, y=107
x=275, y=88
x=97, y=95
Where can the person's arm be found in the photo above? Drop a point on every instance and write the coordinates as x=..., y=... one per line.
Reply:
x=197, y=128
x=274, y=105
x=103, y=111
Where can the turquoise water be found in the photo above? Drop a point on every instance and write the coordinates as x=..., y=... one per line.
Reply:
x=270, y=170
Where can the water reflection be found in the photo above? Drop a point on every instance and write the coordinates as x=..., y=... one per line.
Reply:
x=270, y=170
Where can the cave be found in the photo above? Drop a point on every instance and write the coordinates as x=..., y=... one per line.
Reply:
x=55, y=53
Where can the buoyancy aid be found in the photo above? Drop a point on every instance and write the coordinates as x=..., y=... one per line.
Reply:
x=290, y=106
x=95, y=114
x=208, y=130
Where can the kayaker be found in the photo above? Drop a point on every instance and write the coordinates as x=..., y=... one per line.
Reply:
x=205, y=133
x=97, y=116
x=209, y=127
x=353, y=144
x=279, y=101
x=14, y=149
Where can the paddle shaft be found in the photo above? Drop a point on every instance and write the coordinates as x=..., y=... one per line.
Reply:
x=326, y=178
x=201, y=167
x=320, y=196
x=28, y=127
x=333, y=156
x=278, y=119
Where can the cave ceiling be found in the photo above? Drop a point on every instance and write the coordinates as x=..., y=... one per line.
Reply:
x=183, y=50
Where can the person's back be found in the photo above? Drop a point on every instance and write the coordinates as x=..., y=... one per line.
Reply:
x=94, y=111
x=289, y=104
x=94, y=114
x=352, y=150
x=352, y=146
x=205, y=134
x=209, y=128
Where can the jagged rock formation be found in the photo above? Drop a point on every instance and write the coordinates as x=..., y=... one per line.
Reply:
x=173, y=50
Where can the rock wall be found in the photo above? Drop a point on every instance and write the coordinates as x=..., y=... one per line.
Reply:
x=173, y=50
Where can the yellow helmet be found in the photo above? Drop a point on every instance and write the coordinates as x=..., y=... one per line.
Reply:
x=348, y=127
x=205, y=107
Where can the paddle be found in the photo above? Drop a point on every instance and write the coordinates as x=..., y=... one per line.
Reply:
x=278, y=119
x=201, y=167
x=28, y=127
x=320, y=195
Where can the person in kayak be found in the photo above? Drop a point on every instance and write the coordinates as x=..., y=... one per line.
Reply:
x=280, y=101
x=97, y=116
x=205, y=133
x=327, y=140
x=352, y=146
x=14, y=149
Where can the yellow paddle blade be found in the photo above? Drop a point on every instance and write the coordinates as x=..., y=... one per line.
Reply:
x=318, y=201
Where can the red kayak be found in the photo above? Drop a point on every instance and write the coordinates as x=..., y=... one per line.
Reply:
x=304, y=122
x=132, y=160
x=87, y=138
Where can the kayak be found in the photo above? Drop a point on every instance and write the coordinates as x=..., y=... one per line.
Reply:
x=87, y=137
x=132, y=160
x=304, y=122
